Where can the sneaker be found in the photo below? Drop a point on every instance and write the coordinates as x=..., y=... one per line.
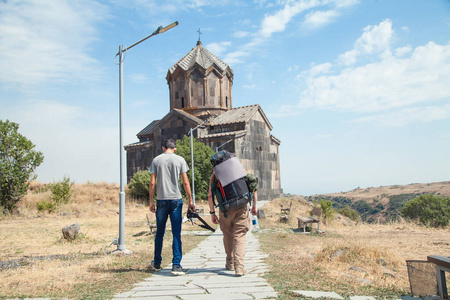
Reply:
x=179, y=270
x=155, y=266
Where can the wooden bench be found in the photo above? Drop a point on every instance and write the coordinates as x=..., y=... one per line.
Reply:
x=316, y=216
x=442, y=265
x=151, y=219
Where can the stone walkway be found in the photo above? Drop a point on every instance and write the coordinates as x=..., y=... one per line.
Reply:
x=207, y=277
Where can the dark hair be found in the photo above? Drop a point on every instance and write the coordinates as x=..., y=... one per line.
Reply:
x=170, y=144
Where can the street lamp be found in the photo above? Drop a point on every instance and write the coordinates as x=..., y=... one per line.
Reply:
x=122, y=49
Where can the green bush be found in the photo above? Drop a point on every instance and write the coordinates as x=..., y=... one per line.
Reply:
x=46, y=205
x=327, y=209
x=349, y=213
x=62, y=191
x=139, y=184
x=430, y=210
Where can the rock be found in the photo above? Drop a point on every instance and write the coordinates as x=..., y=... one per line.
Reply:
x=364, y=281
x=382, y=262
x=139, y=205
x=389, y=275
x=260, y=213
x=64, y=213
x=99, y=202
x=70, y=232
x=338, y=253
x=357, y=269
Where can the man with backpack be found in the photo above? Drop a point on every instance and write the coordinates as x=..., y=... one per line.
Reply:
x=167, y=168
x=233, y=209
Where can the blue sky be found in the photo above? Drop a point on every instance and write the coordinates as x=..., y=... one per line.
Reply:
x=357, y=91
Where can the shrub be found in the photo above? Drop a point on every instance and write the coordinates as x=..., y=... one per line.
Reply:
x=139, y=184
x=349, y=213
x=327, y=209
x=430, y=210
x=62, y=191
x=46, y=205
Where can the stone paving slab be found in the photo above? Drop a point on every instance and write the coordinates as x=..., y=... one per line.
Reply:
x=207, y=277
x=362, y=298
x=318, y=294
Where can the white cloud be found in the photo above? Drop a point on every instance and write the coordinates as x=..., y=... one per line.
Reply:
x=218, y=48
x=47, y=40
x=402, y=51
x=388, y=83
x=375, y=40
x=392, y=87
x=277, y=22
x=319, y=18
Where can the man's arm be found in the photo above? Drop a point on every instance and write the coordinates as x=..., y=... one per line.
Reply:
x=214, y=218
x=151, y=192
x=187, y=189
x=255, y=200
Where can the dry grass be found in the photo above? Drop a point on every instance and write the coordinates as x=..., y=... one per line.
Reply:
x=82, y=270
x=348, y=258
x=297, y=261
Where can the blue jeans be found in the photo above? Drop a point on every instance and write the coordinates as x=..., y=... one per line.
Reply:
x=164, y=209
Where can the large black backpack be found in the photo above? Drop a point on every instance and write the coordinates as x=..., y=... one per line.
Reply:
x=231, y=190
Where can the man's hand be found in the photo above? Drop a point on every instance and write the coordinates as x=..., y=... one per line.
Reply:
x=152, y=207
x=254, y=211
x=191, y=207
x=214, y=219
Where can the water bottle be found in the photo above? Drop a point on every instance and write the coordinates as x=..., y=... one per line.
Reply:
x=255, y=224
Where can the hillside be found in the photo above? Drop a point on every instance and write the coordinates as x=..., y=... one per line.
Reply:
x=383, y=203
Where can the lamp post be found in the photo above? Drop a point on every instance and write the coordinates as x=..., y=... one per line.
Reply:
x=122, y=49
x=217, y=148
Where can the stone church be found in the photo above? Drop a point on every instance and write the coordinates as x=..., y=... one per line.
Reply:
x=200, y=87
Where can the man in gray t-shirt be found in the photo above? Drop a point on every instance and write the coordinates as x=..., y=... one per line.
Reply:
x=167, y=168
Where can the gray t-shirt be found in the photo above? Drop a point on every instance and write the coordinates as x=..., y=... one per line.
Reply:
x=168, y=167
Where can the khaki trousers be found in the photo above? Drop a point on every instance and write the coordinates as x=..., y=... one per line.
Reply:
x=234, y=228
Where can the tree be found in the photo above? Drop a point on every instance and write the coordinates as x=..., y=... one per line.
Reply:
x=430, y=210
x=203, y=168
x=18, y=161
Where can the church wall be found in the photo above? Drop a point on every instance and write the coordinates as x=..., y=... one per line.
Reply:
x=255, y=151
x=138, y=159
x=213, y=91
x=197, y=89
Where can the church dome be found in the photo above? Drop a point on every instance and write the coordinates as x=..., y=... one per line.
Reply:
x=200, y=83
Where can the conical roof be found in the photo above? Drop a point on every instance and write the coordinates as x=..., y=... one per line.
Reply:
x=202, y=57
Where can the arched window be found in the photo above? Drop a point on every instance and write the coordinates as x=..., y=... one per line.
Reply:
x=182, y=102
x=226, y=101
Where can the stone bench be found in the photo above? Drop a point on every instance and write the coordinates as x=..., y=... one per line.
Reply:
x=442, y=265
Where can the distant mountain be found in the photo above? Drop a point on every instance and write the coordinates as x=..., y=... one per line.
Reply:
x=383, y=203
